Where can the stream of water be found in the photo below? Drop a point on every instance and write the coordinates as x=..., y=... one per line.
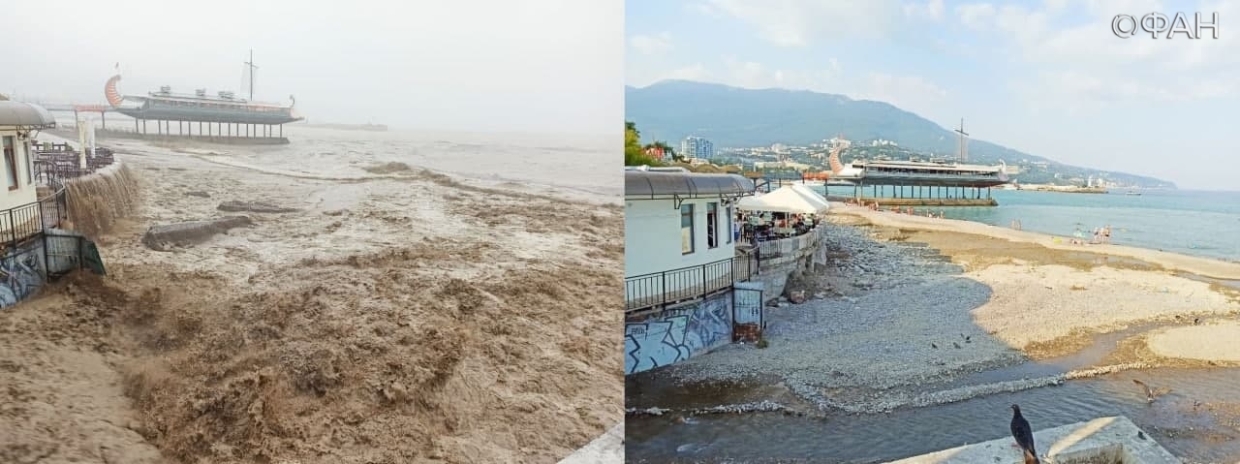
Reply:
x=1196, y=421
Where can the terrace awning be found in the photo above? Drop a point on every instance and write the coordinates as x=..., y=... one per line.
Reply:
x=812, y=196
x=785, y=200
x=666, y=184
x=24, y=116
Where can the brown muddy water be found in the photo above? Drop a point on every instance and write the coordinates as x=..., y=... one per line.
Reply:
x=1198, y=421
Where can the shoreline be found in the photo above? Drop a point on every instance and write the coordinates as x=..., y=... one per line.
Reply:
x=1202, y=266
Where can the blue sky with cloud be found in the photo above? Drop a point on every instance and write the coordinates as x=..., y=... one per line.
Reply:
x=1045, y=77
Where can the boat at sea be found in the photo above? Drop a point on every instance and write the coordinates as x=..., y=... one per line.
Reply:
x=223, y=107
x=1133, y=193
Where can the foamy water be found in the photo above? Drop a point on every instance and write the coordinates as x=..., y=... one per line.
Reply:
x=572, y=166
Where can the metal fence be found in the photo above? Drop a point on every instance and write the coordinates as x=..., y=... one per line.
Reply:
x=669, y=287
x=24, y=222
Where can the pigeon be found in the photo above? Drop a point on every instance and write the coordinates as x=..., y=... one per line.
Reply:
x=1023, y=435
x=957, y=345
x=1141, y=435
x=934, y=346
x=1150, y=393
x=1196, y=320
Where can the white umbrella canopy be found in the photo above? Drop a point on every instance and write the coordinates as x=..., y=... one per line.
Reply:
x=812, y=196
x=784, y=200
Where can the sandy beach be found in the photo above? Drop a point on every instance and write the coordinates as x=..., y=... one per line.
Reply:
x=911, y=305
x=397, y=314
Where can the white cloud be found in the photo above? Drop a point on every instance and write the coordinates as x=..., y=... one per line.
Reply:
x=794, y=23
x=703, y=9
x=932, y=10
x=976, y=15
x=911, y=93
x=651, y=44
x=753, y=75
x=1085, y=66
x=695, y=72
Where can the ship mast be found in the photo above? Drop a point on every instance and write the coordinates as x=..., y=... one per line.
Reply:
x=964, y=143
x=251, y=68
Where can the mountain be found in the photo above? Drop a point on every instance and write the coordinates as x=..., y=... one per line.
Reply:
x=736, y=117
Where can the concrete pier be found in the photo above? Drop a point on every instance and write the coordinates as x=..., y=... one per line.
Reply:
x=1110, y=440
x=216, y=139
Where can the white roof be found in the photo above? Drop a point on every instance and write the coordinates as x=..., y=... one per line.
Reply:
x=785, y=200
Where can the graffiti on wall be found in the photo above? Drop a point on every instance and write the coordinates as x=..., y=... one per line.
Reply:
x=676, y=335
x=21, y=275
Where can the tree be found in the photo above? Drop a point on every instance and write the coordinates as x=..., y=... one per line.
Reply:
x=634, y=155
x=668, y=152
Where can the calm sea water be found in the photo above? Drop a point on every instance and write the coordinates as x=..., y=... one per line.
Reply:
x=1181, y=221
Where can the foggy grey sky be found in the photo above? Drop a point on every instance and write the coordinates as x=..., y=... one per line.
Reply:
x=474, y=65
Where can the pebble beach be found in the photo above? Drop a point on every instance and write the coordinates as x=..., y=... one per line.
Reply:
x=911, y=305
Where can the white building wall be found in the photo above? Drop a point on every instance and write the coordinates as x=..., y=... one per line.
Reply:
x=652, y=236
x=26, y=192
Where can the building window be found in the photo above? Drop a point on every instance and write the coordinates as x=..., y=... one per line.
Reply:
x=10, y=162
x=731, y=227
x=712, y=225
x=686, y=229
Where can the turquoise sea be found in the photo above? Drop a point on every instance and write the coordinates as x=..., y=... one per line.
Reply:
x=1199, y=223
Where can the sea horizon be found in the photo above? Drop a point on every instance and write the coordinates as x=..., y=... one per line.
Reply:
x=1203, y=223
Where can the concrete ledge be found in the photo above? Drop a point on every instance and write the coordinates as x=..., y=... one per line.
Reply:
x=160, y=237
x=1107, y=440
x=607, y=448
x=234, y=139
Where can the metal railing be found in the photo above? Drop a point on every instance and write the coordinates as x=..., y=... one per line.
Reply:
x=53, y=168
x=27, y=221
x=670, y=287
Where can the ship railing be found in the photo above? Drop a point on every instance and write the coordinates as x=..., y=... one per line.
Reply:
x=944, y=175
